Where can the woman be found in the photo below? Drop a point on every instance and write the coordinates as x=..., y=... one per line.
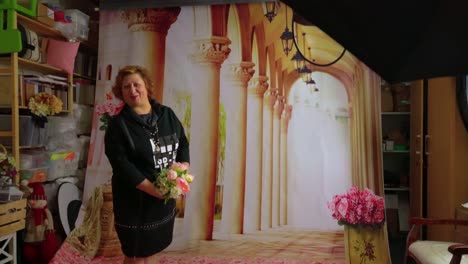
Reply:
x=141, y=140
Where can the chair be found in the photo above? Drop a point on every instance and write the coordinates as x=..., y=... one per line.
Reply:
x=11, y=37
x=433, y=252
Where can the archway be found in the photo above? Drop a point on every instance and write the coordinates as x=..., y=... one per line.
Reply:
x=319, y=151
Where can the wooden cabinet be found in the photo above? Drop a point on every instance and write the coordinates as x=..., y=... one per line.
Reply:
x=446, y=154
x=438, y=152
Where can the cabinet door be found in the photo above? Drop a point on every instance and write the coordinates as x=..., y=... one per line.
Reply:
x=416, y=148
x=440, y=155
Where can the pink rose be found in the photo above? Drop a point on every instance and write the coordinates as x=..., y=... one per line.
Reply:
x=100, y=109
x=180, y=167
x=342, y=208
x=183, y=185
x=172, y=175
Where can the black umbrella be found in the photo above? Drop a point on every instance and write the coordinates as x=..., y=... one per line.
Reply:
x=399, y=40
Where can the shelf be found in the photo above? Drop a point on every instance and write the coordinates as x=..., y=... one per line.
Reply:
x=39, y=66
x=84, y=77
x=25, y=107
x=32, y=147
x=396, y=113
x=47, y=31
x=39, y=27
x=401, y=189
x=6, y=133
x=396, y=151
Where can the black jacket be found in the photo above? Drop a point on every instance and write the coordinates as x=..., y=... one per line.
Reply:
x=128, y=148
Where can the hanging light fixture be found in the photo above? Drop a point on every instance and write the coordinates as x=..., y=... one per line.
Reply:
x=298, y=60
x=306, y=75
x=304, y=71
x=287, y=37
x=271, y=9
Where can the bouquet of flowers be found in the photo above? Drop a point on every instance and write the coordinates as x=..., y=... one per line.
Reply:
x=7, y=164
x=45, y=104
x=173, y=181
x=358, y=208
x=107, y=109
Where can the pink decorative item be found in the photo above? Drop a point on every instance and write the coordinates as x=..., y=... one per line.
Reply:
x=108, y=108
x=61, y=54
x=358, y=208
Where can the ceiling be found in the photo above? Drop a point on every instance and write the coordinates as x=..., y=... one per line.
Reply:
x=399, y=40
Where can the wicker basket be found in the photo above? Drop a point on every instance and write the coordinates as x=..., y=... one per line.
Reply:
x=109, y=245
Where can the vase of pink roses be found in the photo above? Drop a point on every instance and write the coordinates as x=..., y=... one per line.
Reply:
x=363, y=215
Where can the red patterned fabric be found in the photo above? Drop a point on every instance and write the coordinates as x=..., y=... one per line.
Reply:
x=69, y=255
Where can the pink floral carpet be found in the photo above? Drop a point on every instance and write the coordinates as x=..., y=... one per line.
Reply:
x=276, y=246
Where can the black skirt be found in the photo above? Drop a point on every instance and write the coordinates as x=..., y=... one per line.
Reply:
x=147, y=238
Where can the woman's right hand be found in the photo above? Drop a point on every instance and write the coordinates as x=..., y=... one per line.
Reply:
x=149, y=188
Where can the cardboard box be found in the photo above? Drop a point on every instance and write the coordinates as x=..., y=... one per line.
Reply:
x=45, y=15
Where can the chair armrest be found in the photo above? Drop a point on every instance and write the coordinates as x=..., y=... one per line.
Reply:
x=413, y=234
x=457, y=252
x=458, y=249
x=428, y=221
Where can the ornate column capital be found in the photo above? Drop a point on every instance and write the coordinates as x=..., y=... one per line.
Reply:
x=270, y=97
x=258, y=85
x=279, y=106
x=239, y=72
x=150, y=19
x=212, y=49
x=287, y=111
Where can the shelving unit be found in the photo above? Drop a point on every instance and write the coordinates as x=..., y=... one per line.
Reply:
x=396, y=119
x=14, y=66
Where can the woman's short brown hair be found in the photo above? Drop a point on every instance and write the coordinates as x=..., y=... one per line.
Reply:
x=128, y=70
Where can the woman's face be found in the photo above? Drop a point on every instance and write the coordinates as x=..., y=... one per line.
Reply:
x=134, y=91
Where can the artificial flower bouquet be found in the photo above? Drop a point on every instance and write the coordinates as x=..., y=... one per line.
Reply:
x=107, y=109
x=358, y=208
x=45, y=104
x=174, y=181
x=7, y=164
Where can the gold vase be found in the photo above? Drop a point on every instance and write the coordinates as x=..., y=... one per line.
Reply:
x=366, y=245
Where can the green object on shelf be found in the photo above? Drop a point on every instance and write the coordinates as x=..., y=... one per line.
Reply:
x=400, y=147
x=31, y=10
x=11, y=37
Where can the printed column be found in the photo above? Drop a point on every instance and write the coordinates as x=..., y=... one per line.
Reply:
x=234, y=99
x=277, y=111
x=253, y=169
x=285, y=117
x=148, y=27
x=267, y=156
x=208, y=56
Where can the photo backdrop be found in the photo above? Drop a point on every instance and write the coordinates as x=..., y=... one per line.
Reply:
x=267, y=149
